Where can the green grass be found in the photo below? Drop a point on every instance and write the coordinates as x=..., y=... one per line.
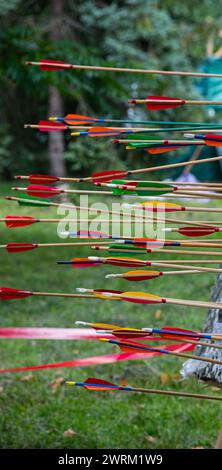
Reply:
x=34, y=415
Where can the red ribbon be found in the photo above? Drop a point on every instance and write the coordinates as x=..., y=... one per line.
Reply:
x=106, y=359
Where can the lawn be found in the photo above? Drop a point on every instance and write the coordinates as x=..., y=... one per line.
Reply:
x=37, y=409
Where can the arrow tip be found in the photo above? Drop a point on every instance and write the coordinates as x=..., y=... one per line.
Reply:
x=69, y=382
x=104, y=340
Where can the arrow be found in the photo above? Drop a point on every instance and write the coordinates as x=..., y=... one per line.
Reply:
x=51, y=65
x=165, y=207
x=214, y=140
x=76, y=119
x=134, y=346
x=133, y=262
x=50, y=191
x=34, y=201
x=159, y=206
x=142, y=275
x=8, y=293
x=166, y=331
x=12, y=221
x=112, y=248
x=147, y=298
x=153, y=189
x=178, y=334
x=155, y=146
x=98, y=384
x=164, y=102
x=194, y=231
x=117, y=249
x=103, y=176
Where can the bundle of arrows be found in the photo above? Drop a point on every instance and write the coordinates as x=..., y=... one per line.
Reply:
x=134, y=343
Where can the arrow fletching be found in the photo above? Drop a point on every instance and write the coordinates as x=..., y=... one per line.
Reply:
x=97, y=384
x=156, y=206
x=19, y=221
x=157, y=105
x=18, y=247
x=197, y=231
x=7, y=293
x=141, y=275
x=104, y=176
x=42, y=191
x=179, y=333
x=80, y=262
x=123, y=261
x=214, y=140
x=103, y=132
x=49, y=126
x=32, y=201
x=141, y=298
x=77, y=119
x=40, y=179
x=48, y=65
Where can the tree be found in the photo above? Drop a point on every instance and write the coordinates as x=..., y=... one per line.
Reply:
x=56, y=139
x=203, y=370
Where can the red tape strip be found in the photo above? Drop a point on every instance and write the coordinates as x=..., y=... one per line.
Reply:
x=107, y=359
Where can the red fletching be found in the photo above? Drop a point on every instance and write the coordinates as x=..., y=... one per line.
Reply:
x=191, y=334
x=155, y=105
x=12, y=221
x=129, y=333
x=215, y=140
x=42, y=179
x=197, y=231
x=7, y=293
x=103, y=132
x=124, y=262
x=47, y=64
x=102, y=384
x=48, y=126
x=77, y=119
x=104, y=176
x=18, y=247
x=42, y=191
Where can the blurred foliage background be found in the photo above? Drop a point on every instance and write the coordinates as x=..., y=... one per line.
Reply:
x=133, y=33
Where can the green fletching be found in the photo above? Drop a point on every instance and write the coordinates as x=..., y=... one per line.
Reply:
x=33, y=201
x=141, y=145
x=153, y=189
x=118, y=250
x=143, y=137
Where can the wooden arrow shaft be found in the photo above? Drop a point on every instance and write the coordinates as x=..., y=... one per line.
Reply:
x=128, y=70
x=194, y=303
x=175, y=101
x=177, y=394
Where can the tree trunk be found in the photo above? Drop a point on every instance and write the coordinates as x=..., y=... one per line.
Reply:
x=206, y=371
x=55, y=104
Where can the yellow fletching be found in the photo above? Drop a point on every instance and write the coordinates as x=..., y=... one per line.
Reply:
x=141, y=295
x=123, y=259
x=105, y=326
x=141, y=272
